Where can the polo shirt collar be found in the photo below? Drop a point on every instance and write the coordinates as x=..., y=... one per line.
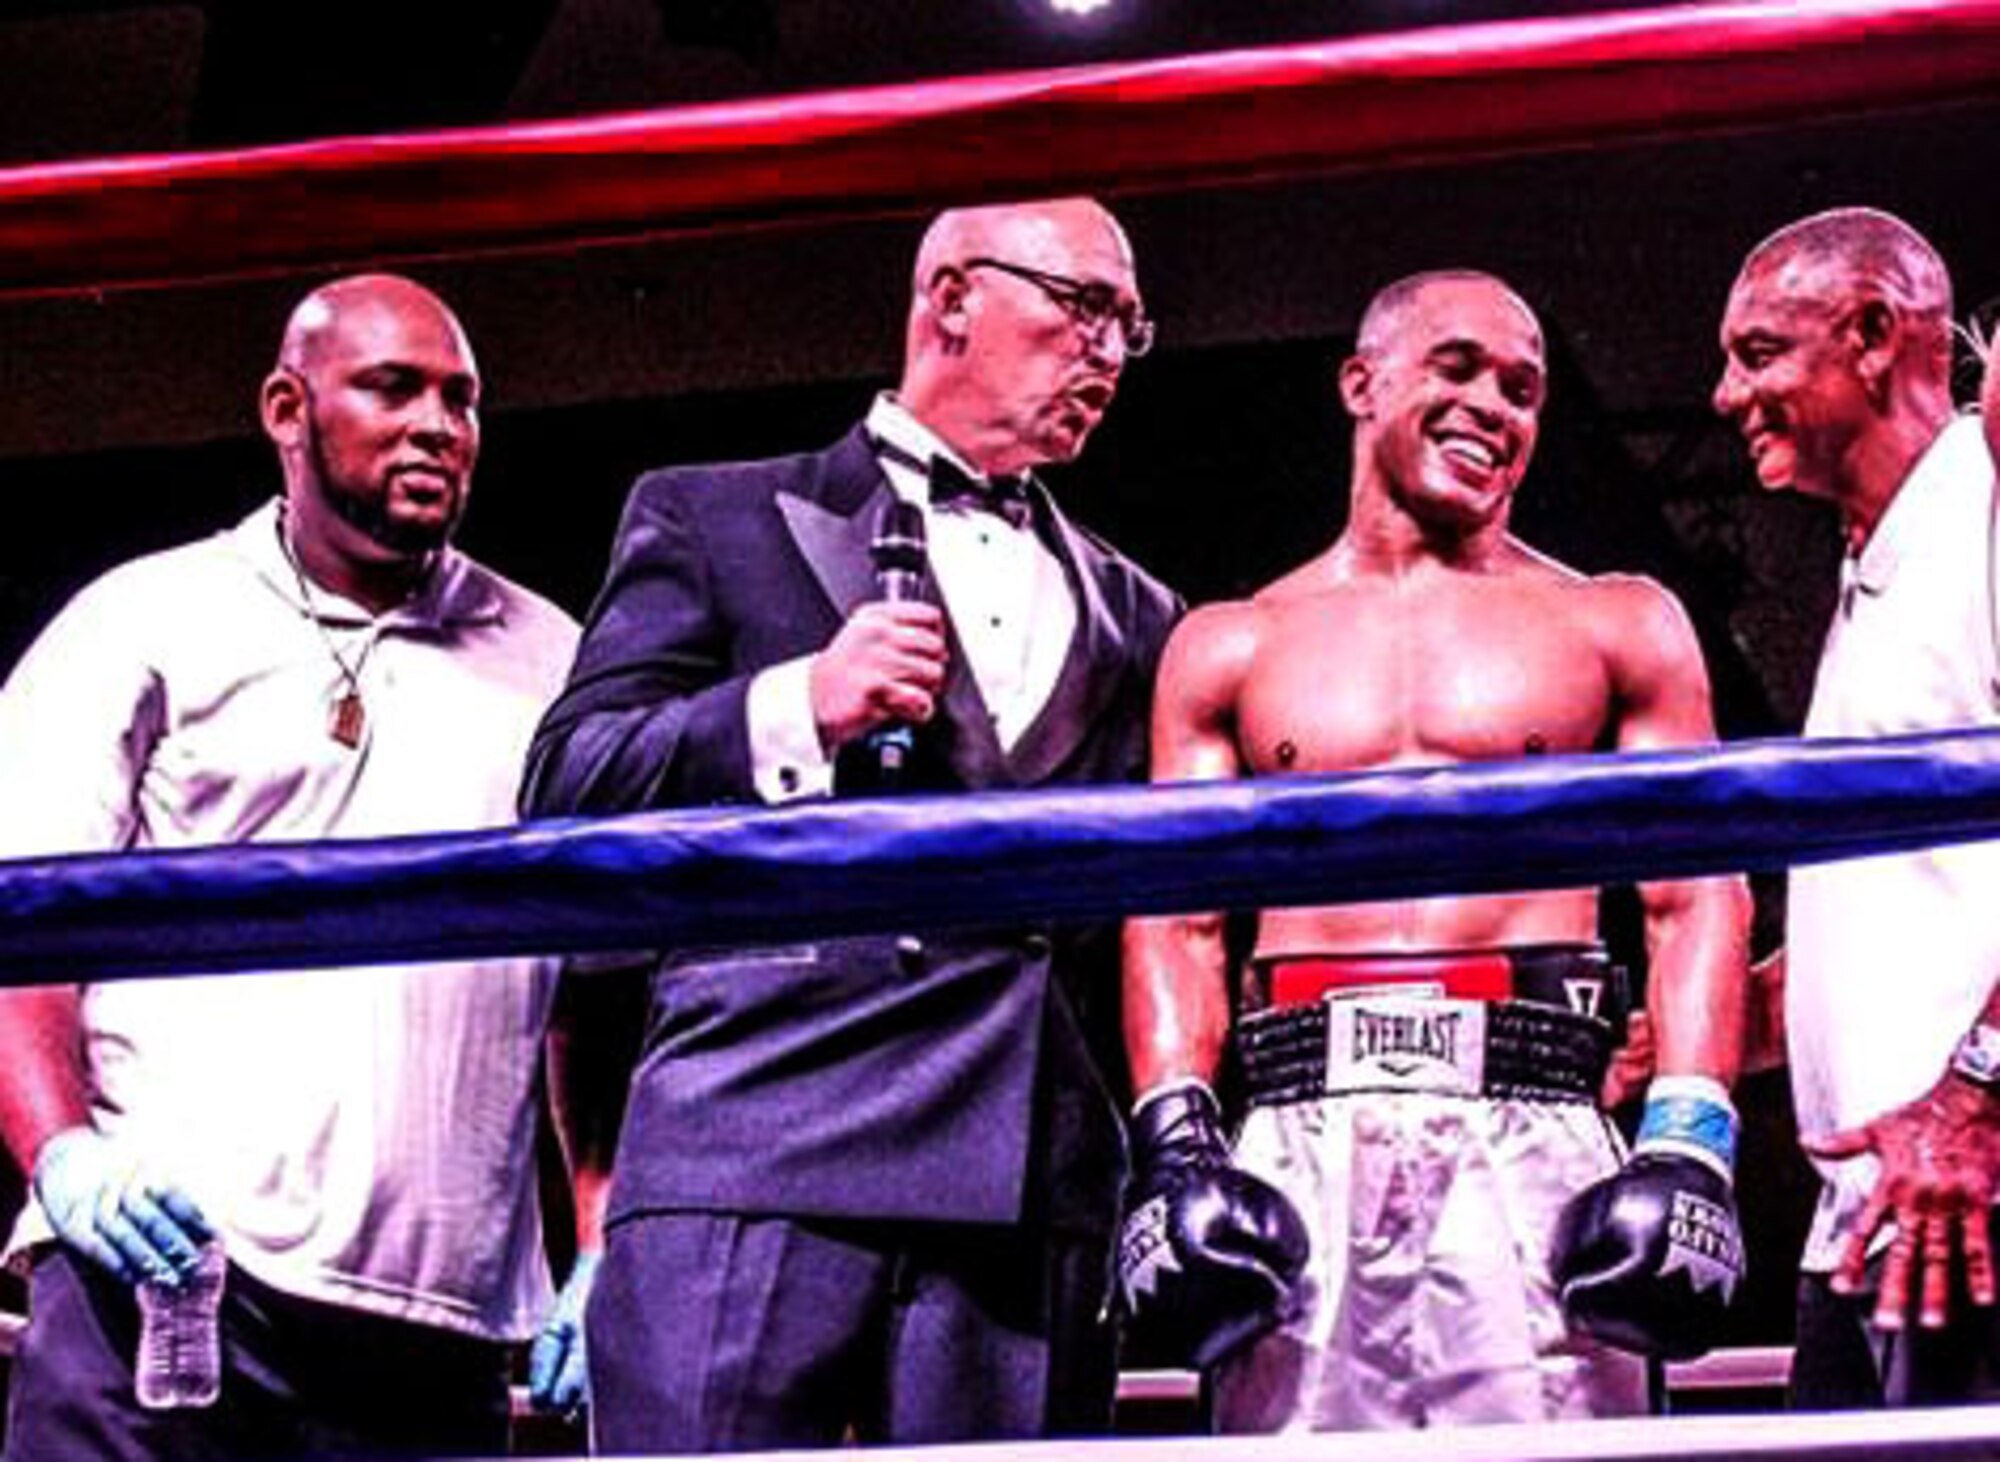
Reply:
x=1957, y=453
x=454, y=593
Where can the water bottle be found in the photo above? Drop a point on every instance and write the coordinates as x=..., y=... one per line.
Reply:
x=180, y=1337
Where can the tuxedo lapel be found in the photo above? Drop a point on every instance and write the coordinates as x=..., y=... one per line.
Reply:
x=965, y=730
x=1090, y=673
x=832, y=518
x=832, y=515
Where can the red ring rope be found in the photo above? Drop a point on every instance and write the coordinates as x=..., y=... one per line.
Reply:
x=1374, y=102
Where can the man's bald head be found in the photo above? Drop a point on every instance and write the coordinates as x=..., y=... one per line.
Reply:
x=374, y=409
x=322, y=317
x=1003, y=358
x=1016, y=231
x=1385, y=312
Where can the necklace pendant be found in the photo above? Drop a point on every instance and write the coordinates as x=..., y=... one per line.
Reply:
x=348, y=720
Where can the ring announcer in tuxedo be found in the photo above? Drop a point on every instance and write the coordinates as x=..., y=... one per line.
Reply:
x=869, y=1185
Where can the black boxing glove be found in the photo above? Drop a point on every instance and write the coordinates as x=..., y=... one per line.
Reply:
x=1649, y=1259
x=1208, y=1255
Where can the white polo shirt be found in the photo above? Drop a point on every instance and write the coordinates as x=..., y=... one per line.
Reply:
x=1890, y=959
x=362, y=1137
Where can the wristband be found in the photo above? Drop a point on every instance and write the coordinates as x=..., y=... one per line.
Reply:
x=1691, y=1117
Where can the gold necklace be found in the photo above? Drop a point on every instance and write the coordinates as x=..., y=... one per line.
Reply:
x=348, y=718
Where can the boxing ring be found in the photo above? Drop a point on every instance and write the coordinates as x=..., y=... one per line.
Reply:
x=715, y=876
x=725, y=874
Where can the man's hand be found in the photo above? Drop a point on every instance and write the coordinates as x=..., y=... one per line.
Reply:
x=1940, y=1160
x=885, y=664
x=1632, y=1064
x=1764, y=1015
x=558, y=1369
x=1208, y=1255
x=100, y=1203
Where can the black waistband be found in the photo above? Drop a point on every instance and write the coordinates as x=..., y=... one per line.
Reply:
x=1530, y=1051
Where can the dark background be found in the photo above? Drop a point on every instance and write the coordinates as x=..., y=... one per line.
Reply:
x=127, y=421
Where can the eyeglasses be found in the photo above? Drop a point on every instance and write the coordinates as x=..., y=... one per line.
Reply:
x=1094, y=306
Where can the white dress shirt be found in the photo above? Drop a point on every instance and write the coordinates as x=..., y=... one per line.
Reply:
x=1007, y=594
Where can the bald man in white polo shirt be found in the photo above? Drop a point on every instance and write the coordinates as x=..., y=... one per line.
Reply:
x=360, y=1140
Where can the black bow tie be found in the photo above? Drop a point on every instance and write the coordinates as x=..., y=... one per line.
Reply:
x=952, y=487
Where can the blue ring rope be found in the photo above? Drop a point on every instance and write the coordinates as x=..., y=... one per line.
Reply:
x=738, y=874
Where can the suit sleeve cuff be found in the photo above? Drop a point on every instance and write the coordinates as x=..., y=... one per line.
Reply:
x=786, y=762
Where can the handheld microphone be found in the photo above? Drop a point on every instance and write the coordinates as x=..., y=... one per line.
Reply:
x=898, y=553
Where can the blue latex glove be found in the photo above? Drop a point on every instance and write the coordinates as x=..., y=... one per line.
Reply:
x=101, y=1204
x=558, y=1376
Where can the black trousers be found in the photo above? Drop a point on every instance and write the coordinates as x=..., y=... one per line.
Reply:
x=1843, y=1362
x=300, y=1379
x=712, y=1333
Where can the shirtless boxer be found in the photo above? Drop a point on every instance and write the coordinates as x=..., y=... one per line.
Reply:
x=1395, y=1103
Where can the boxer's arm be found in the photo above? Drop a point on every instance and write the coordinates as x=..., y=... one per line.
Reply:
x=1697, y=930
x=1651, y=1257
x=1208, y=1256
x=1176, y=988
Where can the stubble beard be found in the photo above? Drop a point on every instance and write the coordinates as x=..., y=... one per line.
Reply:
x=366, y=511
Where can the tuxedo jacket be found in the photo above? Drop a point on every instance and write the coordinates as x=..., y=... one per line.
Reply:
x=913, y=1075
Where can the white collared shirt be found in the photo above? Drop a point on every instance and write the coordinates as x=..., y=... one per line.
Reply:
x=1890, y=959
x=362, y=1137
x=1009, y=600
